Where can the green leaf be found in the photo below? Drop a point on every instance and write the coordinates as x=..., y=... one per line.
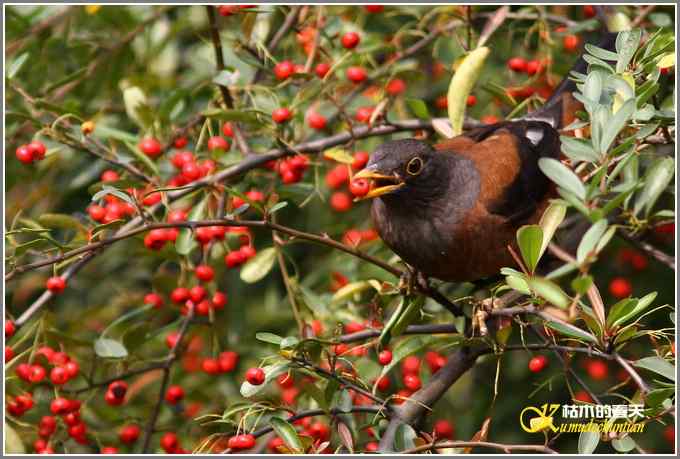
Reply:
x=185, y=242
x=244, y=116
x=590, y=240
x=627, y=43
x=106, y=190
x=461, y=85
x=562, y=176
x=549, y=291
x=400, y=318
x=270, y=372
x=657, y=365
x=627, y=309
x=530, y=241
x=592, y=87
x=587, y=442
x=287, y=433
x=339, y=155
x=601, y=53
x=13, y=443
x=582, y=283
x=349, y=291
x=579, y=149
x=276, y=207
x=419, y=108
x=550, y=220
x=616, y=123
x=518, y=283
x=110, y=349
x=61, y=221
x=570, y=330
x=259, y=266
x=108, y=132
x=342, y=400
x=16, y=65
x=268, y=338
x=656, y=180
x=655, y=398
x=404, y=438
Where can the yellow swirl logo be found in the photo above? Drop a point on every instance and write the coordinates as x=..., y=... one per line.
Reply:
x=543, y=421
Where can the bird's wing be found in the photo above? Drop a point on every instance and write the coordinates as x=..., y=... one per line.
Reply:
x=506, y=157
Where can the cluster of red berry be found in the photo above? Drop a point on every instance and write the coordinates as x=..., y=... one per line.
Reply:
x=34, y=151
x=339, y=175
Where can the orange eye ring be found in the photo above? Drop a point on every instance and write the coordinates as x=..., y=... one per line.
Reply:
x=415, y=166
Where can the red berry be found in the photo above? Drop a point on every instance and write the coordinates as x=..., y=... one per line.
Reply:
x=435, y=361
x=517, y=64
x=441, y=102
x=210, y=366
x=533, y=67
x=322, y=69
x=171, y=339
x=37, y=149
x=10, y=328
x=129, y=434
x=204, y=273
x=234, y=258
x=154, y=299
x=320, y=431
x=78, y=430
x=489, y=119
x=56, y=284
x=227, y=129
x=356, y=74
x=191, y=171
x=156, y=239
x=181, y=158
x=109, y=176
x=374, y=8
x=443, y=429
x=412, y=382
x=570, y=42
x=37, y=373
x=9, y=354
x=96, y=212
x=337, y=176
x=218, y=143
x=174, y=394
x=583, y=396
x=255, y=376
x=360, y=160
x=58, y=376
x=410, y=365
x=597, y=369
x=23, y=371
x=363, y=114
x=669, y=434
x=350, y=40
x=341, y=201
x=284, y=69
x=383, y=383
x=639, y=262
x=197, y=293
x=60, y=405
x=48, y=425
x=281, y=115
x=241, y=442
x=150, y=147
x=109, y=450
x=589, y=11
x=395, y=87
x=118, y=389
x=247, y=251
x=72, y=368
x=285, y=381
x=371, y=446
x=227, y=10
x=58, y=358
x=316, y=121
x=385, y=357
x=471, y=100
x=219, y=300
x=359, y=187
x=180, y=142
x=24, y=154
x=620, y=287
x=179, y=295
x=538, y=363
x=227, y=361
x=169, y=442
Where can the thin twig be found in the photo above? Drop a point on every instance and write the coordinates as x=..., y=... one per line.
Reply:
x=649, y=249
x=482, y=444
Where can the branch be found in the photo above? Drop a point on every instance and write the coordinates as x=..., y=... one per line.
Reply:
x=167, y=365
x=415, y=406
x=649, y=249
x=288, y=23
x=38, y=28
x=625, y=364
x=507, y=448
x=435, y=329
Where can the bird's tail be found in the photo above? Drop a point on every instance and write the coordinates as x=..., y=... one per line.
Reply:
x=560, y=109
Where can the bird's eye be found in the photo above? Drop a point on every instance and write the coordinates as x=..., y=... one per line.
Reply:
x=415, y=166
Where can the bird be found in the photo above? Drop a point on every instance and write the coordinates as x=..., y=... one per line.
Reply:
x=451, y=210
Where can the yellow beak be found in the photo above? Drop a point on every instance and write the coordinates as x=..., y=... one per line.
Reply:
x=371, y=174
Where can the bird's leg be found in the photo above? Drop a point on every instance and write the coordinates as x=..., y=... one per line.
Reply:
x=407, y=281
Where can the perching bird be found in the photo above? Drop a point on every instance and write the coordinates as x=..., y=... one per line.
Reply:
x=450, y=210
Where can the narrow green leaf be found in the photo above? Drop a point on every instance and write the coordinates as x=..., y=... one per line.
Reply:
x=419, y=108
x=657, y=365
x=110, y=190
x=590, y=240
x=656, y=180
x=626, y=44
x=627, y=309
x=549, y=291
x=259, y=266
x=587, y=442
x=550, y=220
x=530, y=241
x=287, y=433
x=616, y=123
x=562, y=176
x=570, y=330
x=268, y=338
x=16, y=65
x=62, y=221
x=461, y=85
x=579, y=149
x=110, y=349
x=601, y=53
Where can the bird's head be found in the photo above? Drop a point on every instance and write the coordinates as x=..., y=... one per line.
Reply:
x=402, y=167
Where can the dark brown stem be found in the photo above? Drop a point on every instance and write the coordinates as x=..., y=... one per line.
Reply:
x=507, y=448
x=415, y=407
